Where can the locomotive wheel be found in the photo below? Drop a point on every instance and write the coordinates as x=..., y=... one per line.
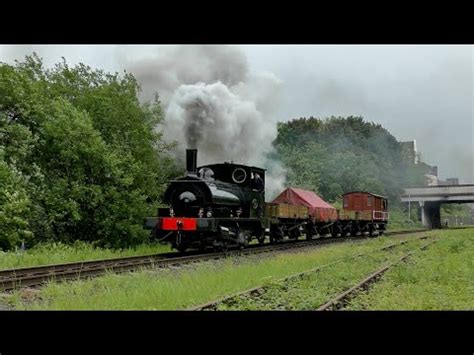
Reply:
x=261, y=239
x=244, y=238
x=181, y=248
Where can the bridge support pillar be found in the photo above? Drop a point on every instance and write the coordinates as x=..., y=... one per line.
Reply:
x=430, y=214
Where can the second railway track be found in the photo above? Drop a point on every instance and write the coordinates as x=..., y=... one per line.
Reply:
x=259, y=290
x=35, y=276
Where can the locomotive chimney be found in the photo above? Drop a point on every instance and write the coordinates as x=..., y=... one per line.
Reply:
x=191, y=161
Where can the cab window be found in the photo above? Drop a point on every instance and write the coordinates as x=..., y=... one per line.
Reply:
x=257, y=182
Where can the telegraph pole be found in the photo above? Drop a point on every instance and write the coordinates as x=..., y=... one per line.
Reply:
x=409, y=210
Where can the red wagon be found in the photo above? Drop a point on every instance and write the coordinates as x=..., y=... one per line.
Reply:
x=361, y=205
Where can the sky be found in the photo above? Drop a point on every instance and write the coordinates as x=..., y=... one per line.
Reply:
x=421, y=92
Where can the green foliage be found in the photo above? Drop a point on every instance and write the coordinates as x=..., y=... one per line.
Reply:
x=179, y=289
x=314, y=289
x=400, y=220
x=455, y=209
x=439, y=278
x=339, y=155
x=84, y=156
x=14, y=207
x=58, y=253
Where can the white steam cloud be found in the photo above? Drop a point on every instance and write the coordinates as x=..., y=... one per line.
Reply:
x=214, y=103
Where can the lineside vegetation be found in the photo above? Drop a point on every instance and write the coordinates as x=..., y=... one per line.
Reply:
x=442, y=278
x=59, y=253
x=185, y=287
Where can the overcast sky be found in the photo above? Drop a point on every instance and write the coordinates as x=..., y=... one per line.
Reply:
x=416, y=92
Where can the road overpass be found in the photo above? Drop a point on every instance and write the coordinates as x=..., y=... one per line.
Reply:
x=430, y=199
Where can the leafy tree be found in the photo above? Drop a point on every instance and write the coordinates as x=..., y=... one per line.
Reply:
x=338, y=155
x=84, y=155
x=14, y=207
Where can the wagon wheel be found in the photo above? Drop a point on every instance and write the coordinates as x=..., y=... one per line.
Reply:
x=308, y=231
x=274, y=234
x=373, y=232
x=294, y=233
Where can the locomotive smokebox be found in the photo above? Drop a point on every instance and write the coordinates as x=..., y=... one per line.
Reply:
x=191, y=161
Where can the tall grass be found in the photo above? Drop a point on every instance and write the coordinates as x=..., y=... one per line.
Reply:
x=182, y=288
x=316, y=288
x=440, y=278
x=52, y=253
x=398, y=220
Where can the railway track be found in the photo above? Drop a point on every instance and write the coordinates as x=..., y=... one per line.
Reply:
x=341, y=300
x=257, y=291
x=35, y=276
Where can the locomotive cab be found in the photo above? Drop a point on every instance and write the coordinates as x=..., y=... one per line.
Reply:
x=249, y=181
x=216, y=190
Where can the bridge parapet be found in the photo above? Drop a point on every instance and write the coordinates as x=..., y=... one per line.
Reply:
x=450, y=193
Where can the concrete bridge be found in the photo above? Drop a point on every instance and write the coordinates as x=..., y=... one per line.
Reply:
x=430, y=199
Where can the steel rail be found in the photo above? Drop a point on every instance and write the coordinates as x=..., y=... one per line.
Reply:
x=340, y=300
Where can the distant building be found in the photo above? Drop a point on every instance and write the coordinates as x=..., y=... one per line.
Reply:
x=449, y=181
x=409, y=151
x=452, y=181
x=431, y=178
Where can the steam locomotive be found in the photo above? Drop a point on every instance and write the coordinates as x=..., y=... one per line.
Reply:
x=223, y=205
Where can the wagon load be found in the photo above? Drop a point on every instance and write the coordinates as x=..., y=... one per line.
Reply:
x=285, y=210
x=294, y=200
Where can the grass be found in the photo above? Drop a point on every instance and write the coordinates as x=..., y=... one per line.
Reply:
x=315, y=289
x=183, y=288
x=53, y=253
x=399, y=220
x=441, y=278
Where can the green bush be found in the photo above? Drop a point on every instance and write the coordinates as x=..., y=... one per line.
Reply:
x=82, y=158
x=14, y=207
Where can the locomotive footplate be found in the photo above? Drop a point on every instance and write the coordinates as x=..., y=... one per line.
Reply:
x=203, y=224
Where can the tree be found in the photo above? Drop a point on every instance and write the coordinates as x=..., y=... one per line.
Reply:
x=87, y=154
x=338, y=155
x=14, y=207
